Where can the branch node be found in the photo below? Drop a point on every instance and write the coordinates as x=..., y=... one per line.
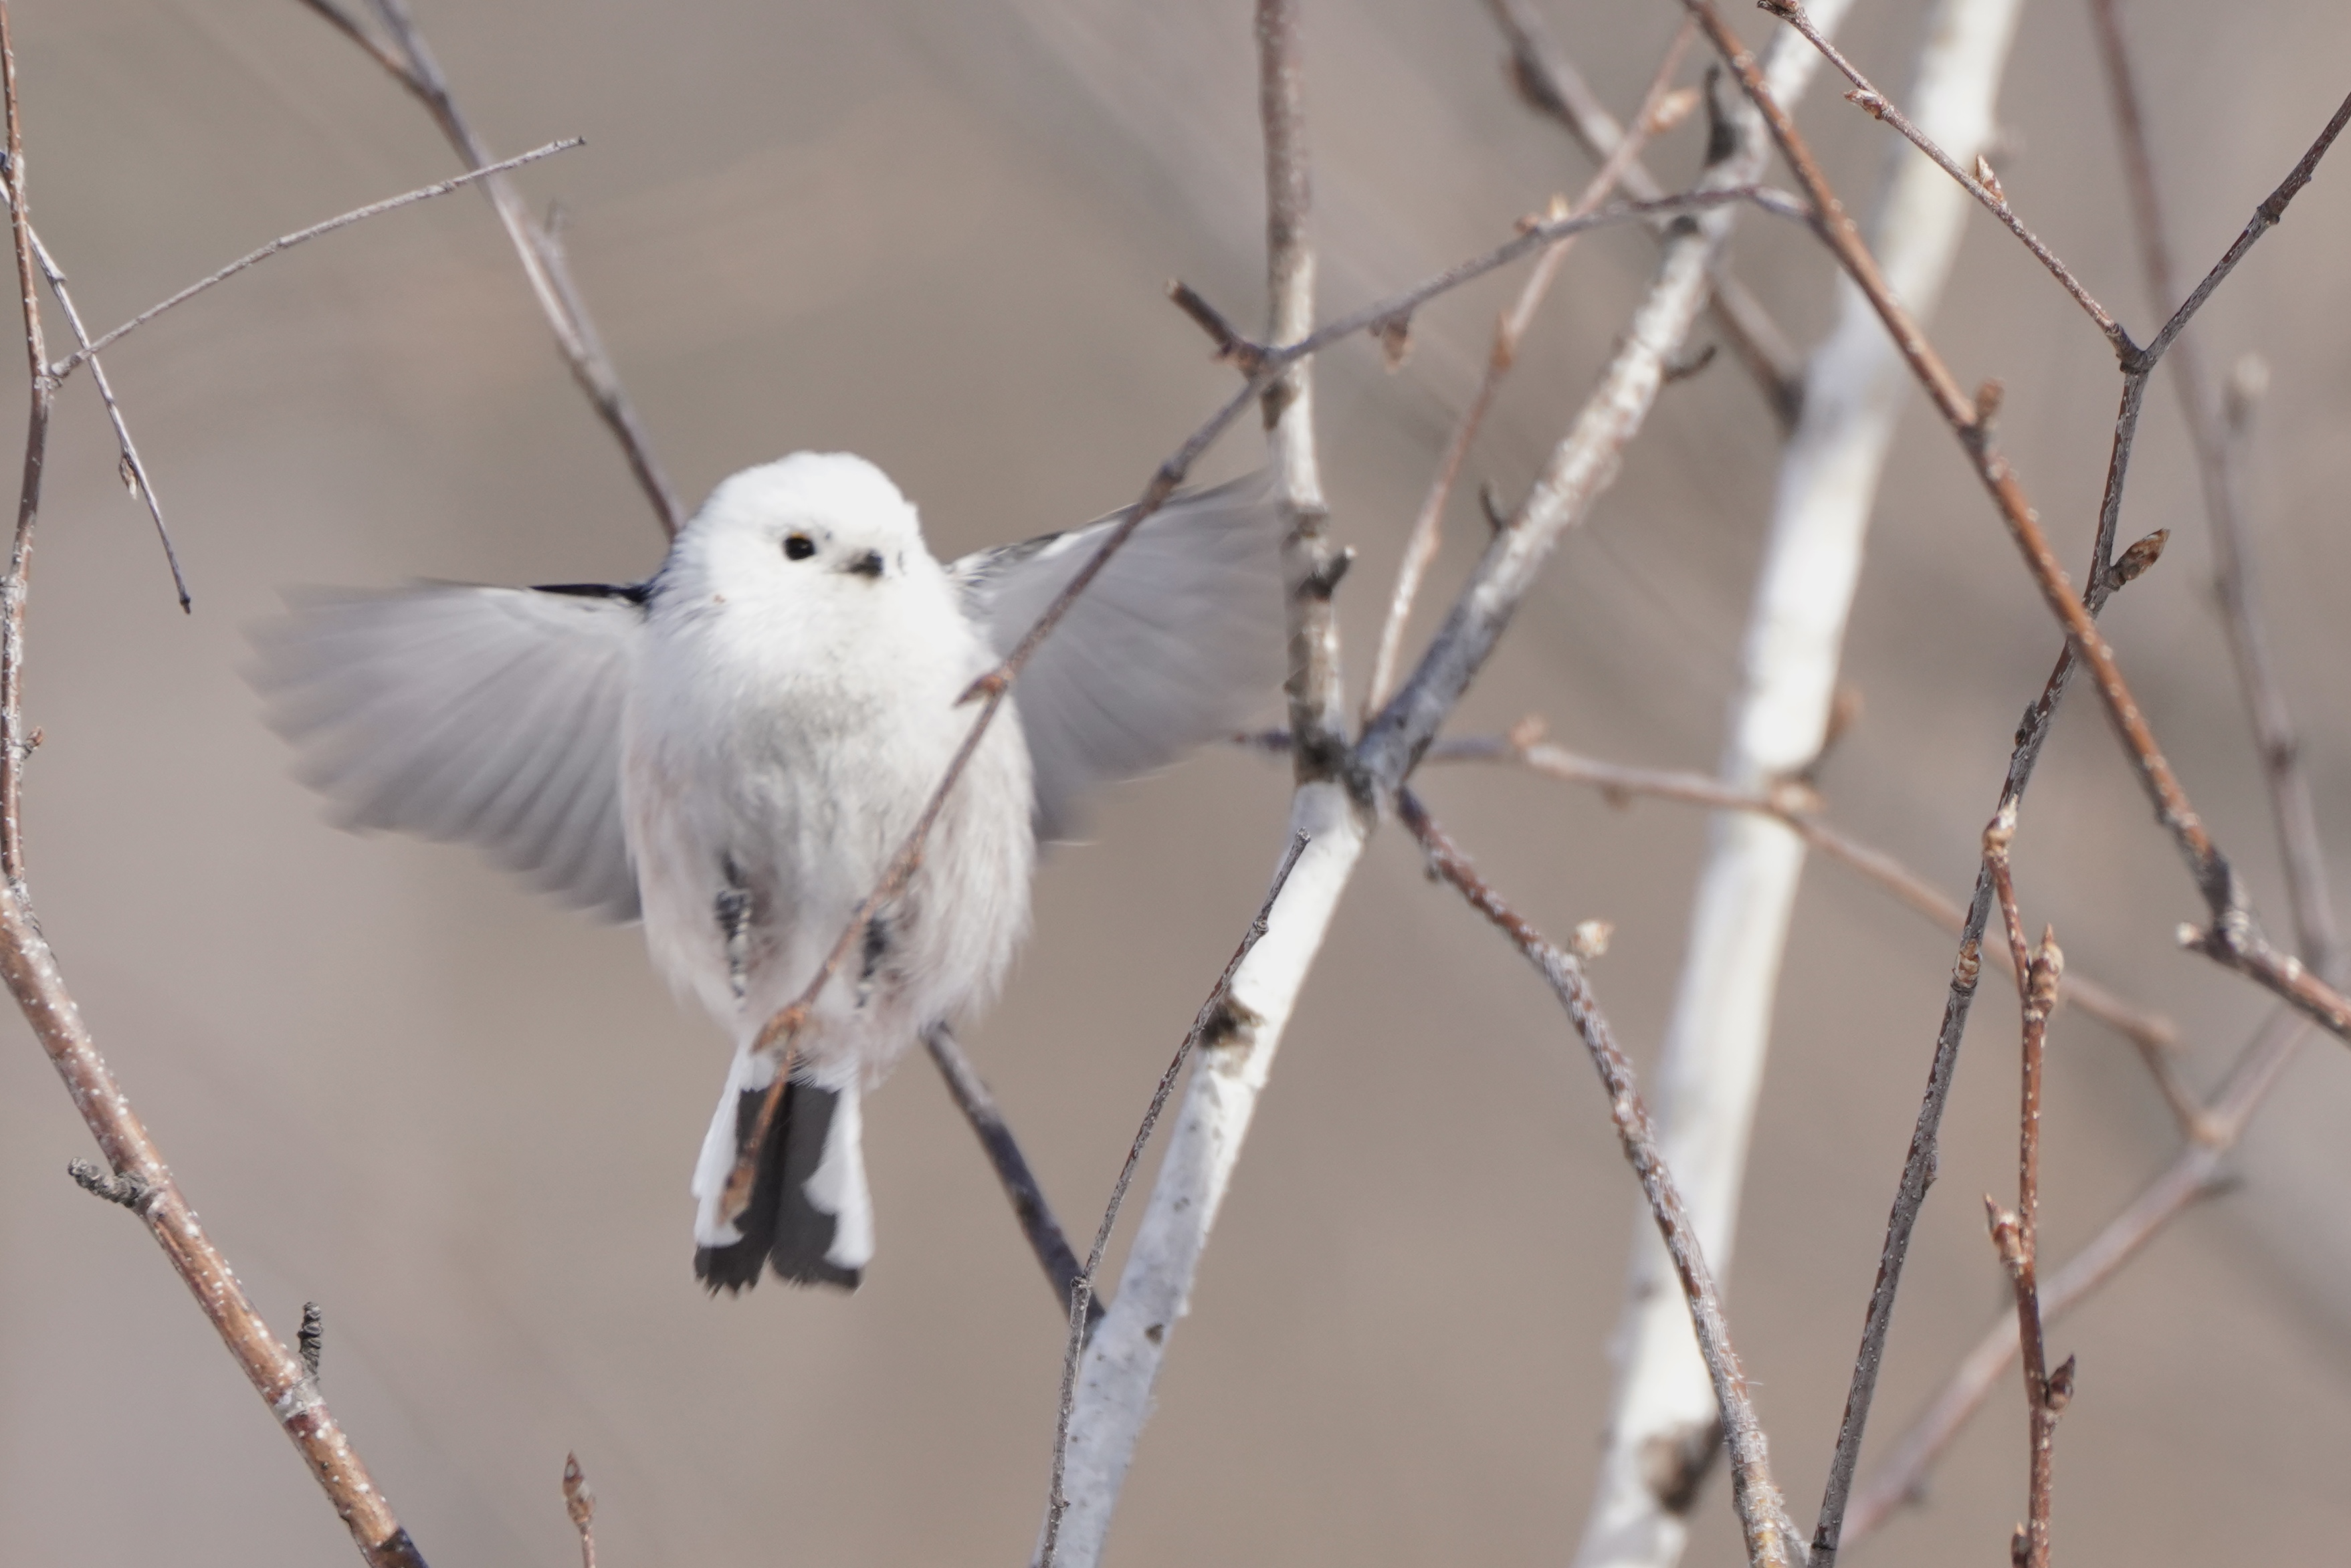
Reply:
x=129, y=1189
x=311, y=1339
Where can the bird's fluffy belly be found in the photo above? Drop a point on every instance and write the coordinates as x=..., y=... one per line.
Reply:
x=802, y=845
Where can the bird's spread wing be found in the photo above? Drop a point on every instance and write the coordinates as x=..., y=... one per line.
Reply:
x=1176, y=643
x=486, y=715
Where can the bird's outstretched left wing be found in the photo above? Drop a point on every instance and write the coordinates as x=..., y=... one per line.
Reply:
x=486, y=715
x=1176, y=643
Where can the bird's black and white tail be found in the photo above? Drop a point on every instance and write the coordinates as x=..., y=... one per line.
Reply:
x=811, y=1214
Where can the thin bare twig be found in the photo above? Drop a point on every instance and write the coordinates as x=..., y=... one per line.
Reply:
x=979, y=1108
x=133, y=467
x=1213, y=1019
x=2193, y=1173
x=1509, y=331
x=410, y=63
x=1547, y=81
x=67, y=366
x=1877, y=105
x=1771, y=1537
x=141, y=1179
x=2015, y=1236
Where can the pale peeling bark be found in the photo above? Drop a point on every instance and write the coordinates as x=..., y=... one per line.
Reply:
x=1662, y=1428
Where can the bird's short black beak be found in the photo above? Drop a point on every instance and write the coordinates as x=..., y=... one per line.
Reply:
x=868, y=564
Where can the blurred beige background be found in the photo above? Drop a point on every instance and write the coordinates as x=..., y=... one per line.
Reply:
x=463, y=1120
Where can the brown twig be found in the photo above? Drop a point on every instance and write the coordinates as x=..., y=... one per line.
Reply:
x=2193, y=1173
x=410, y=63
x=1509, y=331
x=133, y=467
x=1547, y=82
x=89, y=350
x=141, y=1180
x=2016, y=1236
x=580, y=1502
x=970, y=1092
x=1879, y=107
x=1214, y=1016
x=1771, y=1538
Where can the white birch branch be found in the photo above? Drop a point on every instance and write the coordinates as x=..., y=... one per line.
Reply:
x=1121, y=1365
x=1663, y=1424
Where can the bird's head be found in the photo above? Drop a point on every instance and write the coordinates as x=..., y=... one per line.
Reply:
x=812, y=530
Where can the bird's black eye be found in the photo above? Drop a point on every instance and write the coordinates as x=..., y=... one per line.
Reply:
x=798, y=547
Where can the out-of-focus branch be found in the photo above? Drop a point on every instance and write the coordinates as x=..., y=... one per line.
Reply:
x=1509, y=331
x=2274, y=730
x=1709, y=1072
x=1770, y=1536
x=1547, y=81
x=410, y=62
x=979, y=1108
x=140, y=1180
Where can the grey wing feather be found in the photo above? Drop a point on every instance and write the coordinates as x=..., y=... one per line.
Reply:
x=1178, y=641
x=490, y=716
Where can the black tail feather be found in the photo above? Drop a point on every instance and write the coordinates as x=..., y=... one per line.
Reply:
x=781, y=1225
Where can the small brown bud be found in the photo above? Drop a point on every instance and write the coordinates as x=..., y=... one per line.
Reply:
x=2133, y=562
x=1590, y=939
x=1868, y=102
x=2061, y=1387
x=1395, y=341
x=1988, y=402
x=1989, y=181
x=579, y=1496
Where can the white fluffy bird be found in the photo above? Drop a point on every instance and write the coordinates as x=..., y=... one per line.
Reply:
x=734, y=749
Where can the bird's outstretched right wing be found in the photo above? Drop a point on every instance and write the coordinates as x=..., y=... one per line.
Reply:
x=1178, y=640
x=486, y=715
